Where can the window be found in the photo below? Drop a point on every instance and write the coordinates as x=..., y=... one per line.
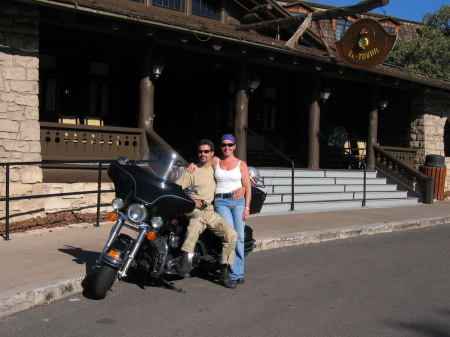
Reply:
x=207, y=8
x=341, y=27
x=390, y=29
x=173, y=4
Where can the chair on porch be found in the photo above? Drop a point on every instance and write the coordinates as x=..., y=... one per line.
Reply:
x=68, y=119
x=362, y=151
x=96, y=121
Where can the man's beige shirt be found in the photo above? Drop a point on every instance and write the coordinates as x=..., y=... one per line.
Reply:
x=203, y=181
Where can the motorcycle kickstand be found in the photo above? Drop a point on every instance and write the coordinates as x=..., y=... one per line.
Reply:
x=171, y=286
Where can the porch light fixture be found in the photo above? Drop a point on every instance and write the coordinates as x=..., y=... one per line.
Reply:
x=382, y=104
x=253, y=84
x=157, y=69
x=324, y=94
x=185, y=38
x=216, y=46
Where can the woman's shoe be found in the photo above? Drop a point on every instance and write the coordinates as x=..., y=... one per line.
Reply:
x=240, y=281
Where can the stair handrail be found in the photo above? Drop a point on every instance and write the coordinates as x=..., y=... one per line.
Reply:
x=282, y=155
x=408, y=177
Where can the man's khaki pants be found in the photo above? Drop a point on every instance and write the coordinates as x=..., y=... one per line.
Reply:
x=207, y=218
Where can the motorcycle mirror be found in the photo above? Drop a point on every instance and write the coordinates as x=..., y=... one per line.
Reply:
x=123, y=160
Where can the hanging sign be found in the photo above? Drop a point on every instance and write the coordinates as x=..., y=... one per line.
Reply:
x=365, y=44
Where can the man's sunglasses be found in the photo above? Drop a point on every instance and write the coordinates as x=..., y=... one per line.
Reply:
x=227, y=144
x=204, y=151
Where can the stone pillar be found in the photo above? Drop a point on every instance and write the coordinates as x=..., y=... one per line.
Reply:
x=19, y=104
x=372, y=134
x=146, y=99
x=429, y=114
x=241, y=113
x=314, y=127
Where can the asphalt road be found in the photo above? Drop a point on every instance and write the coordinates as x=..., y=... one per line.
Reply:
x=392, y=284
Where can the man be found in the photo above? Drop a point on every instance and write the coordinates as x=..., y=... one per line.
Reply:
x=203, y=216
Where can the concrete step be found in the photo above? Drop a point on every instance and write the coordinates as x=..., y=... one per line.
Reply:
x=323, y=181
x=271, y=189
x=307, y=197
x=336, y=205
x=303, y=173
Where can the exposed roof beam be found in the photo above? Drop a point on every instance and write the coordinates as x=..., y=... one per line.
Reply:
x=361, y=7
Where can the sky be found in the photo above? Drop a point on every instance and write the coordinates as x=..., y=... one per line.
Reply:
x=404, y=9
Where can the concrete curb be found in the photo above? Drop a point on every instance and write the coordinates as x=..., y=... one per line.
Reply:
x=47, y=294
x=301, y=238
x=41, y=295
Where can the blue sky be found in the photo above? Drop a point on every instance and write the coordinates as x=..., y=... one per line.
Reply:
x=404, y=9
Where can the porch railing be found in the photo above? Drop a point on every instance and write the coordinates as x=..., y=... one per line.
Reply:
x=71, y=142
x=404, y=175
x=281, y=155
x=404, y=154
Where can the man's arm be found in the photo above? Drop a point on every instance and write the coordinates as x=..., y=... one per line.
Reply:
x=186, y=180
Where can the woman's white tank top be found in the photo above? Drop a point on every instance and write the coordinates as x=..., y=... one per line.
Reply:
x=228, y=181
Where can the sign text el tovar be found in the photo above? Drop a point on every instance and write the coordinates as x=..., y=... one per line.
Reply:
x=365, y=44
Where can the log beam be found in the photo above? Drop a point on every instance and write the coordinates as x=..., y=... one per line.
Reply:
x=372, y=135
x=241, y=112
x=303, y=27
x=146, y=99
x=314, y=126
x=361, y=7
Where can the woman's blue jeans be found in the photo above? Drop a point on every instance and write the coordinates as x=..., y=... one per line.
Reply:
x=231, y=210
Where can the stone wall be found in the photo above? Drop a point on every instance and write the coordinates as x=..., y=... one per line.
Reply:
x=429, y=114
x=19, y=103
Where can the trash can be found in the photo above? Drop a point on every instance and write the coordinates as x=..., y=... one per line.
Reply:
x=434, y=167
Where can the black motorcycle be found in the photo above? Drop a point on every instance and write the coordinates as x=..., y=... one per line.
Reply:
x=148, y=203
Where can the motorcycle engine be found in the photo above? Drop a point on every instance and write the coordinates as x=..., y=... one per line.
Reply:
x=174, y=240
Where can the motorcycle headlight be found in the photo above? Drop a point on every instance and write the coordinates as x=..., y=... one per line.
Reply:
x=117, y=203
x=137, y=212
x=156, y=222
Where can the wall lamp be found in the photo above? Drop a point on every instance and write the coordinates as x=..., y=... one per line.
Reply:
x=382, y=104
x=324, y=94
x=253, y=84
x=157, y=69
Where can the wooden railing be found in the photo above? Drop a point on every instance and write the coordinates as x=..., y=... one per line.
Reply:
x=404, y=175
x=404, y=154
x=86, y=142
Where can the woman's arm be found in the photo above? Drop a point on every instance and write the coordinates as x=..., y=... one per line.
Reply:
x=192, y=166
x=248, y=190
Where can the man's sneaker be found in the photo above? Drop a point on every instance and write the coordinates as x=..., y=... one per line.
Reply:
x=225, y=279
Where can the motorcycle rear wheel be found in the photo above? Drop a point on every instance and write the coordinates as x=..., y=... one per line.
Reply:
x=103, y=281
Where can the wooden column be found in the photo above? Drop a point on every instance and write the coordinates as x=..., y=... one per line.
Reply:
x=146, y=99
x=372, y=135
x=241, y=113
x=314, y=126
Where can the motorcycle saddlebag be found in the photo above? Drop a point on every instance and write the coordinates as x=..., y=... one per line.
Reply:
x=257, y=201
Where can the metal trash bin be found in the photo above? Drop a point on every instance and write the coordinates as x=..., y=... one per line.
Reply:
x=434, y=167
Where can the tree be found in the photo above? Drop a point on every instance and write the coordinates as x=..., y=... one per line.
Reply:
x=429, y=52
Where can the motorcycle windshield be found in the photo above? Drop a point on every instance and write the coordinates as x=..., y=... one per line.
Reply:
x=152, y=182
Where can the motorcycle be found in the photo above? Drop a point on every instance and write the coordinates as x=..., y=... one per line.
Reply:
x=150, y=204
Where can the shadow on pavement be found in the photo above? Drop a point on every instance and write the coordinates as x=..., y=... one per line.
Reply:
x=427, y=329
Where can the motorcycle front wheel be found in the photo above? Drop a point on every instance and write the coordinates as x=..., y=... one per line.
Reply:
x=102, y=281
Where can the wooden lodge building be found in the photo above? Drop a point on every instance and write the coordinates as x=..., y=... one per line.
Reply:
x=94, y=79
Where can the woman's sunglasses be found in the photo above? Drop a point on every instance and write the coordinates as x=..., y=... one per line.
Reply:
x=227, y=144
x=204, y=151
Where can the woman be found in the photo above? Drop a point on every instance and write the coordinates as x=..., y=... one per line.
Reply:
x=232, y=185
x=231, y=175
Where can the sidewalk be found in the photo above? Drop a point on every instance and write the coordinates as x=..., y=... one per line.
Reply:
x=44, y=265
